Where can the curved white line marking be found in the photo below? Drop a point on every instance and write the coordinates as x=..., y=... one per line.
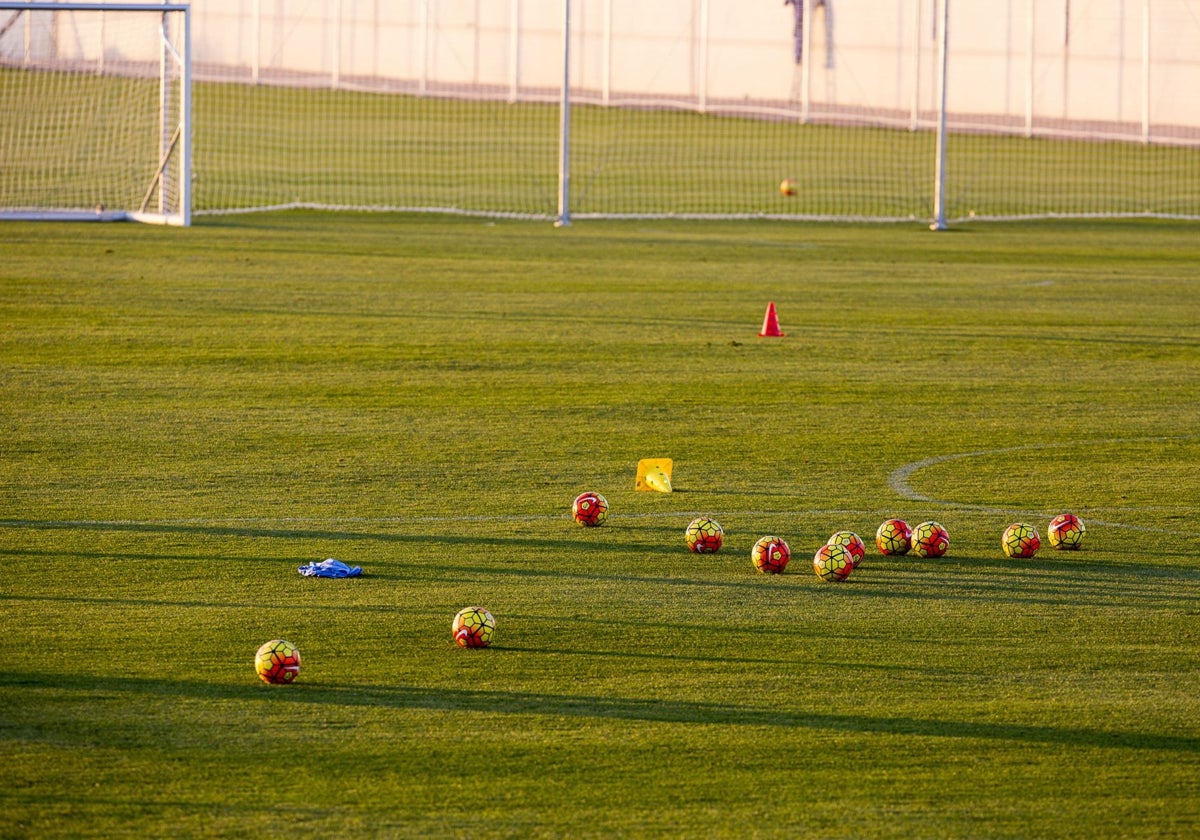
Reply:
x=899, y=480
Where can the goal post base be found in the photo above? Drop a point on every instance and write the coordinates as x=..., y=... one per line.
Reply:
x=171, y=220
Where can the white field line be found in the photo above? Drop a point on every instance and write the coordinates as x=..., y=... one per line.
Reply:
x=899, y=481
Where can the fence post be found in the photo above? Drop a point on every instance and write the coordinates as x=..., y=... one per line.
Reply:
x=1030, y=65
x=514, y=50
x=257, y=43
x=606, y=71
x=702, y=82
x=423, y=82
x=805, y=59
x=939, y=191
x=564, y=126
x=335, y=77
x=914, y=116
x=1146, y=71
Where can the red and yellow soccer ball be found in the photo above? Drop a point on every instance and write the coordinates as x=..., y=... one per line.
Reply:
x=833, y=562
x=853, y=543
x=787, y=187
x=277, y=662
x=1020, y=540
x=1066, y=532
x=770, y=555
x=590, y=509
x=930, y=539
x=893, y=537
x=474, y=627
x=704, y=535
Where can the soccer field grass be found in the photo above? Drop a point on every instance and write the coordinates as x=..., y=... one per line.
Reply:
x=190, y=415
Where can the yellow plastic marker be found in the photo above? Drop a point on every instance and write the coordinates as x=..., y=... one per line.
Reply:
x=654, y=475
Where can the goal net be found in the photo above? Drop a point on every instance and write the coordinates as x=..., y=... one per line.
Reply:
x=1059, y=109
x=681, y=108
x=701, y=108
x=428, y=105
x=677, y=108
x=94, y=112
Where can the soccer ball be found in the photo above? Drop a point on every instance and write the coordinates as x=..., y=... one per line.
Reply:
x=277, y=662
x=833, y=562
x=771, y=555
x=1066, y=532
x=590, y=509
x=704, y=535
x=1020, y=540
x=929, y=539
x=853, y=543
x=787, y=187
x=894, y=537
x=474, y=627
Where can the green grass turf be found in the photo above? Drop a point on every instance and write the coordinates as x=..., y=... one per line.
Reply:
x=187, y=416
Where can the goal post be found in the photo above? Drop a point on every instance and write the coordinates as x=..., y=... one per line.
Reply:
x=95, y=112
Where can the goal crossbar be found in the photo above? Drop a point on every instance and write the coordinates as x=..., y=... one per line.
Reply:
x=28, y=5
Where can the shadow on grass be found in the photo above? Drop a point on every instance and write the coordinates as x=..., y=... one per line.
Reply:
x=1099, y=591
x=650, y=710
x=709, y=659
x=1072, y=580
x=443, y=573
x=577, y=536
x=1050, y=580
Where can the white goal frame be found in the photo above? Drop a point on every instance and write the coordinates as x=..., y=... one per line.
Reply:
x=158, y=205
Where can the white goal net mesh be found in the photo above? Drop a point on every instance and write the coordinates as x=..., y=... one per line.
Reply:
x=1074, y=109
x=91, y=113
x=683, y=108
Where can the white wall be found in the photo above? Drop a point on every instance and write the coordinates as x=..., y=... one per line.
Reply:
x=882, y=56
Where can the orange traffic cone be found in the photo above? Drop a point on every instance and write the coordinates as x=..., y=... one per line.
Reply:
x=770, y=323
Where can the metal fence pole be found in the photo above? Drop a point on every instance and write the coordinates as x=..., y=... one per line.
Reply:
x=564, y=125
x=914, y=117
x=256, y=43
x=1145, y=71
x=805, y=60
x=939, y=191
x=335, y=76
x=514, y=49
x=1030, y=65
x=702, y=81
